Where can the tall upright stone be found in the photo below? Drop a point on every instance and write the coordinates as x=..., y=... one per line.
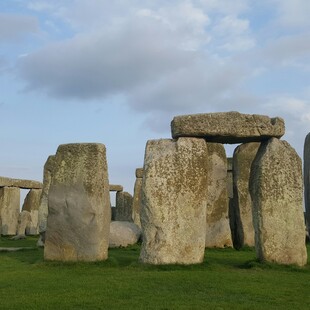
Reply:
x=243, y=157
x=123, y=207
x=43, y=208
x=307, y=179
x=9, y=209
x=31, y=204
x=136, y=204
x=174, y=199
x=218, y=230
x=79, y=212
x=276, y=192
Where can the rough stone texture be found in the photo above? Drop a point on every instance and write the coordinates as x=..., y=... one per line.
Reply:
x=79, y=216
x=218, y=230
x=276, y=192
x=26, y=184
x=228, y=127
x=123, y=234
x=123, y=207
x=174, y=199
x=307, y=179
x=24, y=221
x=31, y=204
x=43, y=208
x=9, y=209
x=139, y=173
x=243, y=234
x=230, y=192
x=115, y=188
x=136, y=204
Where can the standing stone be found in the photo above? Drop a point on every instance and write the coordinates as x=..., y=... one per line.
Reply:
x=123, y=207
x=24, y=222
x=136, y=205
x=123, y=234
x=276, y=192
x=43, y=208
x=9, y=209
x=31, y=204
x=174, y=200
x=243, y=157
x=307, y=179
x=79, y=210
x=218, y=231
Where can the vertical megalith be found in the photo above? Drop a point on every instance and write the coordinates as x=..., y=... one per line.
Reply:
x=43, y=208
x=31, y=204
x=24, y=223
x=243, y=157
x=276, y=192
x=174, y=199
x=9, y=209
x=79, y=215
x=136, y=204
x=217, y=230
x=123, y=207
x=307, y=180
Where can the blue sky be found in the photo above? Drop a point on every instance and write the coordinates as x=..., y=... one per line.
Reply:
x=116, y=72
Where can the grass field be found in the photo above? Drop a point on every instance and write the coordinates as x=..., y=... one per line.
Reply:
x=227, y=279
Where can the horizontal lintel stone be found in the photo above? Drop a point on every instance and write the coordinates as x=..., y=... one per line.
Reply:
x=25, y=184
x=228, y=127
x=116, y=188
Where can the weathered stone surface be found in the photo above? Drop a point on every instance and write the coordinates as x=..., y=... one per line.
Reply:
x=26, y=184
x=123, y=234
x=174, y=198
x=243, y=234
x=229, y=178
x=218, y=230
x=276, y=192
x=43, y=208
x=24, y=221
x=228, y=127
x=78, y=222
x=31, y=204
x=123, y=207
x=136, y=204
x=139, y=173
x=307, y=179
x=116, y=188
x=9, y=209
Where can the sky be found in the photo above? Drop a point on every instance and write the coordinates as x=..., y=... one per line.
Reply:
x=117, y=72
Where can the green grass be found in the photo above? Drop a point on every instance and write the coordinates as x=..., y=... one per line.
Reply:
x=227, y=279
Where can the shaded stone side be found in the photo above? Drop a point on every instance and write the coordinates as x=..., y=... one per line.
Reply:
x=243, y=157
x=276, y=192
x=217, y=230
x=136, y=205
x=228, y=127
x=123, y=207
x=79, y=210
x=307, y=179
x=31, y=204
x=174, y=199
x=9, y=209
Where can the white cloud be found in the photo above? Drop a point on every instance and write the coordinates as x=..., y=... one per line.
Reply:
x=14, y=27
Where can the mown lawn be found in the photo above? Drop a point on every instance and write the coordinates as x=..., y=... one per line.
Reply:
x=227, y=279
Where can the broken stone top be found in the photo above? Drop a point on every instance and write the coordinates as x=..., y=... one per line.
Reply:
x=25, y=184
x=228, y=127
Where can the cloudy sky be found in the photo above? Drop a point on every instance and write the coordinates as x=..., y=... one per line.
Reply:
x=116, y=72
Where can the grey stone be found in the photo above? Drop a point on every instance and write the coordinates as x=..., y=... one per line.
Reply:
x=123, y=234
x=173, y=213
x=115, y=188
x=24, y=221
x=9, y=209
x=136, y=205
x=123, y=207
x=276, y=192
x=218, y=230
x=139, y=173
x=25, y=184
x=79, y=214
x=307, y=179
x=243, y=235
x=228, y=127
